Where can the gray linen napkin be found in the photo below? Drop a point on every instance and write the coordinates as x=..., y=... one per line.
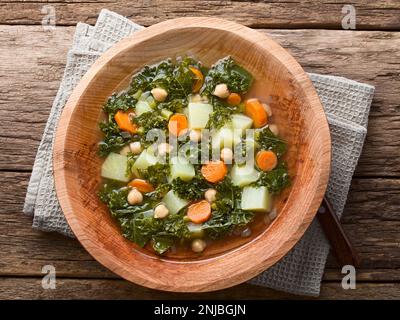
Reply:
x=346, y=104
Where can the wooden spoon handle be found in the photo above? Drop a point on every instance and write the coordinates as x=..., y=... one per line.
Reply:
x=341, y=246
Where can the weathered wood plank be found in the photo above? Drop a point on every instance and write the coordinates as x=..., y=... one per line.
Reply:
x=373, y=225
x=358, y=56
x=29, y=85
x=30, y=288
x=372, y=204
x=267, y=14
x=364, y=275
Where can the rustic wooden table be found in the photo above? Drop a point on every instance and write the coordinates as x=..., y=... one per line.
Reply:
x=30, y=71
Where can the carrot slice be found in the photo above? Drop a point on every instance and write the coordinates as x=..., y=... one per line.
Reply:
x=141, y=185
x=256, y=111
x=234, y=99
x=214, y=171
x=199, y=212
x=124, y=122
x=266, y=160
x=199, y=79
x=178, y=124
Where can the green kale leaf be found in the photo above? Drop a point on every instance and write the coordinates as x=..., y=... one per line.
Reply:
x=190, y=190
x=227, y=71
x=222, y=113
x=162, y=242
x=176, y=78
x=174, y=229
x=130, y=162
x=226, y=214
x=268, y=141
x=182, y=83
x=162, y=233
x=275, y=180
x=142, y=227
x=137, y=222
x=224, y=221
x=122, y=101
x=114, y=139
x=173, y=105
x=146, y=79
x=156, y=174
x=151, y=120
x=113, y=194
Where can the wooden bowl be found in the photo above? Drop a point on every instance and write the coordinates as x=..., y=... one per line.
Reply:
x=297, y=110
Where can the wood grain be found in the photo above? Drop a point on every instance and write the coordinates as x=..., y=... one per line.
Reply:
x=28, y=288
x=379, y=15
x=29, y=86
x=297, y=111
x=341, y=246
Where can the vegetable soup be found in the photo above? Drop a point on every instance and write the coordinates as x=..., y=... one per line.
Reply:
x=189, y=157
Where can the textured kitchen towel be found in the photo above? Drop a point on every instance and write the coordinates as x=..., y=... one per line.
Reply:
x=346, y=104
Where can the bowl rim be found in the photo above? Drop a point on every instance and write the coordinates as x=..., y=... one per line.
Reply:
x=310, y=95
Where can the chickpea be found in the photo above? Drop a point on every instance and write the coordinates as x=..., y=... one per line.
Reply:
x=274, y=129
x=268, y=109
x=221, y=91
x=135, y=147
x=131, y=116
x=196, y=98
x=245, y=233
x=273, y=214
x=227, y=155
x=134, y=196
x=195, y=135
x=125, y=150
x=164, y=148
x=198, y=245
x=159, y=94
x=161, y=211
x=210, y=195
